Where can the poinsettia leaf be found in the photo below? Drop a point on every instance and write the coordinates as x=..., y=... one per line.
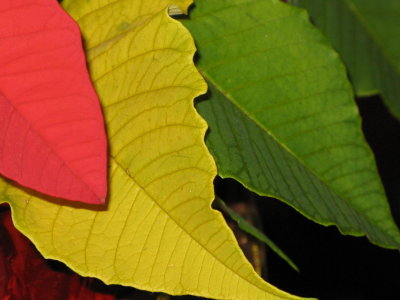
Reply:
x=52, y=136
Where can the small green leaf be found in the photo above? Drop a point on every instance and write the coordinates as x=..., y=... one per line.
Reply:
x=282, y=115
x=367, y=35
x=253, y=231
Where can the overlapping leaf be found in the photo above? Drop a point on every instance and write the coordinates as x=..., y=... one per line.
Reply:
x=282, y=117
x=52, y=136
x=158, y=232
x=367, y=35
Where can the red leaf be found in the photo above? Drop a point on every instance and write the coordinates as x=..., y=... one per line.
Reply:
x=52, y=136
x=26, y=275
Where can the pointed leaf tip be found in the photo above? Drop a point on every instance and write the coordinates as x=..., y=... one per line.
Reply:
x=52, y=136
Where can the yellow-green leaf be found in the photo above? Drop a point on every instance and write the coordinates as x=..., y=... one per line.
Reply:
x=158, y=232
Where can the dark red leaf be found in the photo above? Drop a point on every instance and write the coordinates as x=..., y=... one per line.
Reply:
x=26, y=275
x=52, y=136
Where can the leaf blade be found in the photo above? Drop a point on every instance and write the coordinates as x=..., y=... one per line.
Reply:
x=42, y=78
x=287, y=97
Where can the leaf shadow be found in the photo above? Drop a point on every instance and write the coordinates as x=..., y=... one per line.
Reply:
x=59, y=201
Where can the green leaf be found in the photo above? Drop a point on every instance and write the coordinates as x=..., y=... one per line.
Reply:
x=158, y=231
x=253, y=231
x=282, y=116
x=367, y=35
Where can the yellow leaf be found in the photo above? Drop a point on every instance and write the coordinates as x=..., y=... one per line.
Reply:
x=158, y=232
